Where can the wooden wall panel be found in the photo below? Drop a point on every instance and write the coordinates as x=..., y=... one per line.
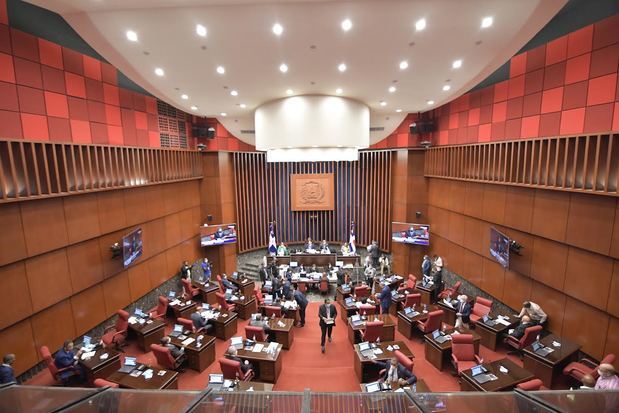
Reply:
x=139, y=280
x=48, y=278
x=113, y=266
x=136, y=207
x=549, y=263
x=12, y=242
x=88, y=309
x=473, y=267
x=157, y=266
x=456, y=228
x=111, y=206
x=52, y=326
x=474, y=234
x=172, y=229
x=586, y=326
x=44, y=225
x=516, y=289
x=116, y=293
x=18, y=339
x=473, y=199
x=457, y=195
x=82, y=221
x=612, y=338
x=614, y=247
x=588, y=222
x=519, y=208
x=493, y=205
x=588, y=277
x=493, y=278
x=155, y=242
x=188, y=226
x=613, y=303
x=14, y=287
x=554, y=305
x=520, y=263
x=174, y=260
x=154, y=199
x=85, y=266
x=550, y=213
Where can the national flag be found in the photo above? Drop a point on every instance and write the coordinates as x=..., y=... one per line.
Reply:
x=272, y=242
x=352, y=238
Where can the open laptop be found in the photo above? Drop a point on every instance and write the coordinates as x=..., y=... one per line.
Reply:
x=228, y=293
x=540, y=349
x=479, y=374
x=349, y=301
x=129, y=366
x=268, y=299
x=488, y=321
x=237, y=342
x=138, y=312
x=356, y=320
x=178, y=330
x=171, y=295
x=410, y=312
x=439, y=337
x=365, y=349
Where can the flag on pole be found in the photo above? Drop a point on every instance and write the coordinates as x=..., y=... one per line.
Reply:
x=352, y=238
x=272, y=242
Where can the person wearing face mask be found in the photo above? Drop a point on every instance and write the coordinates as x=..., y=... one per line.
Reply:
x=608, y=379
x=463, y=311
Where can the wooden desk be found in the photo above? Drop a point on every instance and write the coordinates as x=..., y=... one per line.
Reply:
x=245, y=307
x=167, y=381
x=346, y=311
x=397, y=303
x=367, y=371
x=148, y=333
x=198, y=358
x=408, y=325
x=449, y=316
x=420, y=385
x=427, y=293
x=439, y=354
x=291, y=313
x=283, y=335
x=208, y=292
x=267, y=368
x=393, y=282
x=321, y=260
x=550, y=368
x=340, y=294
x=245, y=285
x=242, y=386
x=490, y=335
x=388, y=333
x=225, y=325
x=505, y=381
x=184, y=309
x=96, y=368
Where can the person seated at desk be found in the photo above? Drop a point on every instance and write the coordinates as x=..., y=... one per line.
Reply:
x=228, y=284
x=534, y=312
x=324, y=247
x=345, y=250
x=66, y=357
x=525, y=323
x=608, y=379
x=232, y=354
x=301, y=300
x=282, y=250
x=588, y=383
x=201, y=322
x=309, y=246
x=177, y=353
x=259, y=321
x=395, y=372
x=7, y=374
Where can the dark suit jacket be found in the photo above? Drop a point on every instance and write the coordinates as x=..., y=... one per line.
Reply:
x=322, y=312
x=301, y=299
x=6, y=374
x=244, y=367
x=519, y=331
x=200, y=321
x=426, y=267
x=403, y=372
x=465, y=310
x=175, y=351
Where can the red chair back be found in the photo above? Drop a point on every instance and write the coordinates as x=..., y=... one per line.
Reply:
x=302, y=287
x=412, y=299
x=105, y=383
x=362, y=291
x=367, y=309
x=529, y=336
x=324, y=285
x=411, y=282
x=456, y=287
x=221, y=284
x=187, y=324
x=221, y=299
x=122, y=323
x=255, y=333
x=231, y=369
x=162, y=305
x=373, y=330
x=163, y=356
x=258, y=295
x=46, y=355
x=531, y=385
x=433, y=322
x=462, y=347
x=269, y=310
x=482, y=307
x=188, y=289
x=403, y=360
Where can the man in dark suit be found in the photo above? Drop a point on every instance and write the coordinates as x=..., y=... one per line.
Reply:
x=309, y=245
x=177, y=353
x=263, y=273
x=403, y=375
x=286, y=289
x=327, y=314
x=374, y=253
x=524, y=324
x=66, y=357
x=426, y=266
x=231, y=354
x=463, y=310
x=385, y=299
x=301, y=300
x=201, y=322
x=7, y=375
x=185, y=269
x=228, y=284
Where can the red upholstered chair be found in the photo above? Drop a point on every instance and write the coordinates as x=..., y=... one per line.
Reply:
x=259, y=296
x=433, y=322
x=269, y=310
x=577, y=369
x=223, y=304
x=189, y=325
x=531, y=385
x=117, y=334
x=403, y=360
x=450, y=291
x=324, y=285
x=231, y=369
x=302, y=287
x=255, y=333
x=164, y=357
x=51, y=366
x=160, y=310
x=373, y=330
x=362, y=291
x=412, y=299
x=410, y=283
x=463, y=355
x=529, y=336
x=188, y=291
x=367, y=309
x=221, y=284
x=105, y=383
x=481, y=308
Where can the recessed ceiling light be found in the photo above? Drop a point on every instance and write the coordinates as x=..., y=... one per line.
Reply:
x=486, y=22
x=457, y=64
x=430, y=102
x=403, y=65
x=234, y=93
x=200, y=30
x=383, y=103
x=243, y=105
x=446, y=88
x=221, y=70
x=420, y=24
x=342, y=67
x=392, y=89
x=159, y=71
x=194, y=107
x=132, y=36
x=184, y=97
x=278, y=29
x=289, y=91
x=398, y=110
x=339, y=91
x=314, y=146
x=223, y=114
x=346, y=25
x=283, y=68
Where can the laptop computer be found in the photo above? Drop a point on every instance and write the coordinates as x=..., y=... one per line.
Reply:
x=228, y=293
x=365, y=349
x=410, y=312
x=237, y=342
x=488, y=321
x=129, y=366
x=479, y=374
x=349, y=301
x=138, y=312
x=178, y=330
x=439, y=337
x=171, y=295
x=268, y=299
x=356, y=320
x=373, y=387
x=540, y=349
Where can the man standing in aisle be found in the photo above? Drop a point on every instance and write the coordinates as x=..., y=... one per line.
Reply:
x=326, y=314
x=301, y=300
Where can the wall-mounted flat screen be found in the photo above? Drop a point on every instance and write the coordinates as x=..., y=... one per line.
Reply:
x=217, y=234
x=132, y=247
x=416, y=234
x=499, y=247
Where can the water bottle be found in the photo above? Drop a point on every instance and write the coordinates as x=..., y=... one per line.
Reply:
x=425, y=308
x=378, y=341
x=415, y=387
x=273, y=316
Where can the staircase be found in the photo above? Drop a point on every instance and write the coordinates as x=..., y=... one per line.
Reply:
x=250, y=270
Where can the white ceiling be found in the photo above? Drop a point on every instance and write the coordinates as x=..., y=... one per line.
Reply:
x=240, y=38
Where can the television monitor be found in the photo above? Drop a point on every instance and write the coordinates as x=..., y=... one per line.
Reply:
x=132, y=247
x=416, y=234
x=499, y=247
x=217, y=234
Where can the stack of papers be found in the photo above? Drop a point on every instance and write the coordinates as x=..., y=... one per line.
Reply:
x=257, y=348
x=189, y=341
x=132, y=320
x=378, y=351
x=501, y=319
x=87, y=355
x=176, y=301
x=273, y=346
x=104, y=356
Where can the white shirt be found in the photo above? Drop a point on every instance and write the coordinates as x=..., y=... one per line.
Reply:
x=392, y=374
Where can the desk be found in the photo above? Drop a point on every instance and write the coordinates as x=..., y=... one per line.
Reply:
x=439, y=354
x=393, y=282
x=245, y=307
x=284, y=335
x=208, y=292
x=408, y=325
x=346, y=311
x=292, y=313
x=242, y=386
x=167, y=381
x=96, y=368
x=427, y=293
x=321, y=260
x=340, y=294
x=388, y=333
x=550, y=368
x=225, y=325
x=267, y=368
x=198, y=358
x=183, y=309
x=397, y=303
x=367, y=371
x=245, y=285
x=490, y=334
x=420, y=385
x=449, y=316
x=147, y=333
x=505, y=381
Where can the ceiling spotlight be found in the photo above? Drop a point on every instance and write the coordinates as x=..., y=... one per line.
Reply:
x=278, y=29
x=446, y=88
x=403, y=65
x=486, y=22
x=420, y=24
x=201, y=30
x=194, y=107
x=132, y=36
x=392, y=89
x=223, y=114
x=159, y=71
x=243, y=105
x=221, y=70
x=346, y=25
x=457, y=64
x=184, y=97
x=383, y=103
x=430, y=102
x=398, y=110
x=289, y=91
x=339, y=91
x=342, y=67
x=234, y=93
x=283, y=68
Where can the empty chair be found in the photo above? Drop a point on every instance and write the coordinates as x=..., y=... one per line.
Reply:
x=363, y=291
x=221, y=284
x=373, y=330
x=433, y=322
x=259, y=296
x=410, y=283
x=231, y=370
x=577, y=369
x=324, y=285
x=160, y=310
x=450, y=292
x=105, y=383
x=117, y=334
x=302, y=287
x=164, y=357
x=367, y=309
x=188, y=325
x=223, y=304
x=463, y=355
x=531, y=385
x=255, y=333
x=269, y=310
x=60, y=375
x=481, y=308
x=188, y=291
x=529, y=336
x=412, y=299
